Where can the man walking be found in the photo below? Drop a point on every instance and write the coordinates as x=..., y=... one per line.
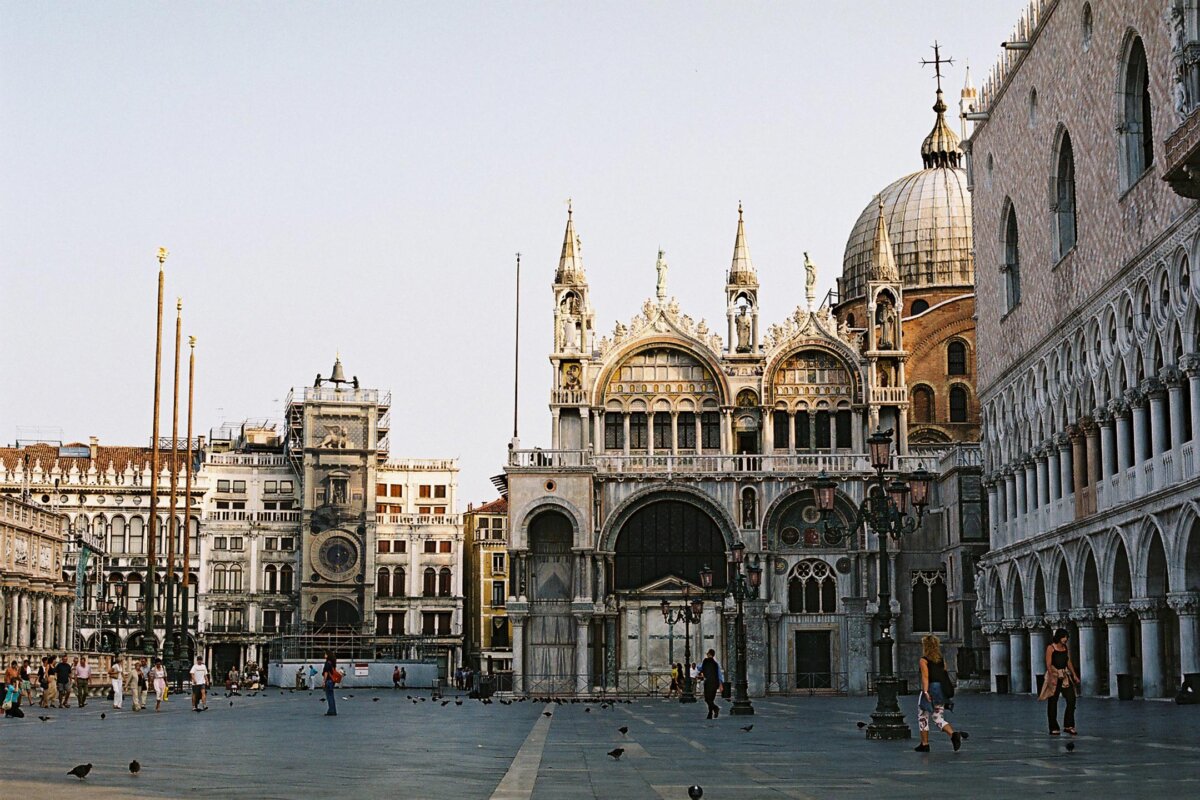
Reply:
x=711, y=672
x=199, y=678
x=62, y=673
x=83, y=674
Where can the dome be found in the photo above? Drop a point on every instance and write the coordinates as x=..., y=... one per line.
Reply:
x=928, y=216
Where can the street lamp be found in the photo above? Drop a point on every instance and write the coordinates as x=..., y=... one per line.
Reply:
x=886, y=510
x=746, y=580
x=688, y=613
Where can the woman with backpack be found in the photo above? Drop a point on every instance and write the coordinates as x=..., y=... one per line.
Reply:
x=936, y=689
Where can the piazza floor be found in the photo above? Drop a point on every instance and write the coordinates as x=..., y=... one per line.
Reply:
x=274, y=746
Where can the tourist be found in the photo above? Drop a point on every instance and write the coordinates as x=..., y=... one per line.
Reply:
x=312, y=677
x=300, y=677
x=199, y=678
x=62, y=674
x=231, y=681
x=1061, y=679
x=396, y=677
x=137, y=685
x=710, y=670
x=331, y=677
x=116, y=677
x=158, y=674
x=12, y=692
x=936, y=688
x=26, y=683
x=83, y=676
x=675, y=681
x=49, y=682
x=403, y=678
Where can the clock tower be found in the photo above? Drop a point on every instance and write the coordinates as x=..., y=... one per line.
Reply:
x=337, y=437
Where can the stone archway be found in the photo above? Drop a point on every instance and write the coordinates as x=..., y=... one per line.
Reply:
x=550, y=658
x=337, y=615
x=667, y=538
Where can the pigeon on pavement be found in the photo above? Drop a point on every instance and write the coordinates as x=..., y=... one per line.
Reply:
x=624, y=729
x=81, y=771
x=135, y=767
x=616, y=753
x=747, y=728
x=45, y=719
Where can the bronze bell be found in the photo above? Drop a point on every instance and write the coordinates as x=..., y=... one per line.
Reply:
x=338, y=375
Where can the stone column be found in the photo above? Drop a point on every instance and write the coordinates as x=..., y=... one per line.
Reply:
x=582, y=650
x=1186, y=606
x=64, y=630
x=1043, y=485
x=585, y=427
x=997, y=650
x=1065, y=481
x=1190, y=364
x=1031, y=495
x=1120, y=412
x=1091, y=466
x=1010, y=495
x=44, y=624
x=1173, y=379
x=554, y=437
x=1116, y=617
x=1038, y=641
x=1053, y=469
x=1085, y=621
x=674, y=433
x=4, y=617
x=650, y=433
x=1022, y=504
x=727, y=430
x=517, y=614
x=1157, y=392
x=1018, y=656
x=994, y=510
x=24, y=612
x=1149, y=611
x=1141, y=446
x=1108, y=442
x=625, y=422
x=1078, y=464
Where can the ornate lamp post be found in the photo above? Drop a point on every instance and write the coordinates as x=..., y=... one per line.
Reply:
x=885, y=510
x=746, y=580
x=688, y=613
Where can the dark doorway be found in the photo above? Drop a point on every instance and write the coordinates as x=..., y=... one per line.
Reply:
x=813, y=660
x=668, y=538
x=747, y=442
x=336, y=616
x=224, y=656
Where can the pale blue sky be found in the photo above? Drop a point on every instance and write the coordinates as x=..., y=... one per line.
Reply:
x=358, y=176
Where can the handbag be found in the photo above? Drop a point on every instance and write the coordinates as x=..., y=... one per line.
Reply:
x=924, y=704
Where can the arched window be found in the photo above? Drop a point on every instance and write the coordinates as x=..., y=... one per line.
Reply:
x=220, y=578
x=429, y=582
x=271, y=580
x=958, y=404
x=1065, y=227
x=929, y=602
x=920, y=306
x=922, y=404
x=235, y=578
x=1012, y=259
x=398, y=587
x=956, y=358
x=137, y=539
x=444, y=582
x=812, y=588
x=383, y=583
x=285, y=579
x=1137, y=137
x=116, y=536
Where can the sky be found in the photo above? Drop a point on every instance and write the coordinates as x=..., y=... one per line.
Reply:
x=356, y=177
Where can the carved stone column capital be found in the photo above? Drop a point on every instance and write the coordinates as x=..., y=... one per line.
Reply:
x=1190, y=364
x=1062, y=441
x=1147, y=608
x=1013, y=625
x=1153, y=388
x=1113, y=612
x=1057, y=619
x=1042, y=453
x=1102, y=416
x=1083, y=617
x=1184, y=603
x=1033, y=623
x=1171, y=376
x=1134, y=398
x=1075, y=433
x=994, y=630
x=1118, y=407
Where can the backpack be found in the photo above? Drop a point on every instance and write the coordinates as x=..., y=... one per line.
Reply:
x=336, y=675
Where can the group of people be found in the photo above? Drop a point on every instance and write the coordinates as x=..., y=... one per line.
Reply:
x=57, y=675
x=464, y=679
x=252, y=678
x=708, y=673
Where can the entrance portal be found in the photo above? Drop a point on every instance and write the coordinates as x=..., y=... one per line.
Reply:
x=336, y=616
x=813, y=660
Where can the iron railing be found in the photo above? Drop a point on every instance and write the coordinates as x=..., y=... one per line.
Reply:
x=808, y=683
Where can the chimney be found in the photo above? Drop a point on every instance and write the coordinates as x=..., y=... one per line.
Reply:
x=93, y=446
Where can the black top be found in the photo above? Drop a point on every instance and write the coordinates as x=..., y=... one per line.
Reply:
x=327, y=670
x=937, y=672
x=710, y=671
x=1058, y=658
x=63, y=672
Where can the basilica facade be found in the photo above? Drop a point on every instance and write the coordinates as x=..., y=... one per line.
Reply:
x=673, y=442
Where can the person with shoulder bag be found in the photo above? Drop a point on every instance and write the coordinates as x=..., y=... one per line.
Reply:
x=332, y=676
x=1061, y=679
x=931, y=704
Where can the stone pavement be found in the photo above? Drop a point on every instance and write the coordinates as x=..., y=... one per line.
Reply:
x=274, y=746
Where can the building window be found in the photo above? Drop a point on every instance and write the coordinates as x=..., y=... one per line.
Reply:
x=400, y=546
x=498, y=595
x=239, y=487
x=285, y=579
x=222, y=486
x=803, y=423
x=272, y=543
x=1137, y=137
x=662, y=431
x=922, y=404
x=220, y=578
x=958, y=404
x=270, y=579
x=637, y=430
x=685, y=430
x=444, y=582
x=396, y=490
x=1065, y=227
x=823, y=438
x=429, y=582
x=843, y=423
x=919, y=306
x=235, y=578
x=270, y=487
x=381, y=490
x=383, y=582
x=285, y=487
x=929, y=602
x=287, y=543
x=710, y=430
x=812, y=588
x=270, y=621
x=235, y=542
x=614, y=431
x=780, y=425
x=498, y=563
x=425, y=490
x=398, y=584
x=384, y=546
x=428, y=623
x=430, y=545
x=1012, y=259
x=956, y=358
x=443, y=623
x=439, y=491
x=1087, y=26
x=445, y=546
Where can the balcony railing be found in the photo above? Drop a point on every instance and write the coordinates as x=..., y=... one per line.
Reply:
x=712, y=463
x=418, y=519
x=229, y=516
x=277, y=516
x=547, y=459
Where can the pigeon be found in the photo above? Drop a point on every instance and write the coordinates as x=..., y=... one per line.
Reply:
x=45, y=719
x=458, y=702
x=349, y=696
x=587, y=710
x=321, y=700
x=445, y=703
x=102, y=715
x=81, y=771
x=747, y=728
x=1070, y=747
x=231, y=704
x=861, y=725
x=374, y=699
x=616, y=753
x=624, y=729
x=965, y=735
x=547, y=714
x=135, y=767
x=695, y=792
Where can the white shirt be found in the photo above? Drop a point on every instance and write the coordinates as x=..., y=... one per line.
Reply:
x=199, y=675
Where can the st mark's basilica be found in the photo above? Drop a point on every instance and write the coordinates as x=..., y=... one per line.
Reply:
x=672, y=441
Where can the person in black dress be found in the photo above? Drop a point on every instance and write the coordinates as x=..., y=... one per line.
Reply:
x=711, y=672
x=1061, y=679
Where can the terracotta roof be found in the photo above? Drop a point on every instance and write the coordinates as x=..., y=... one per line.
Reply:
x=499, y=506
x=119, y=457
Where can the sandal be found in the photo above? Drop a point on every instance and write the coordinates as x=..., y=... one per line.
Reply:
x=1071, y=731
x=1054, y=733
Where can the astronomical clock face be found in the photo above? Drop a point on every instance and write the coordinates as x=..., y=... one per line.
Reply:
x=336, y=556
